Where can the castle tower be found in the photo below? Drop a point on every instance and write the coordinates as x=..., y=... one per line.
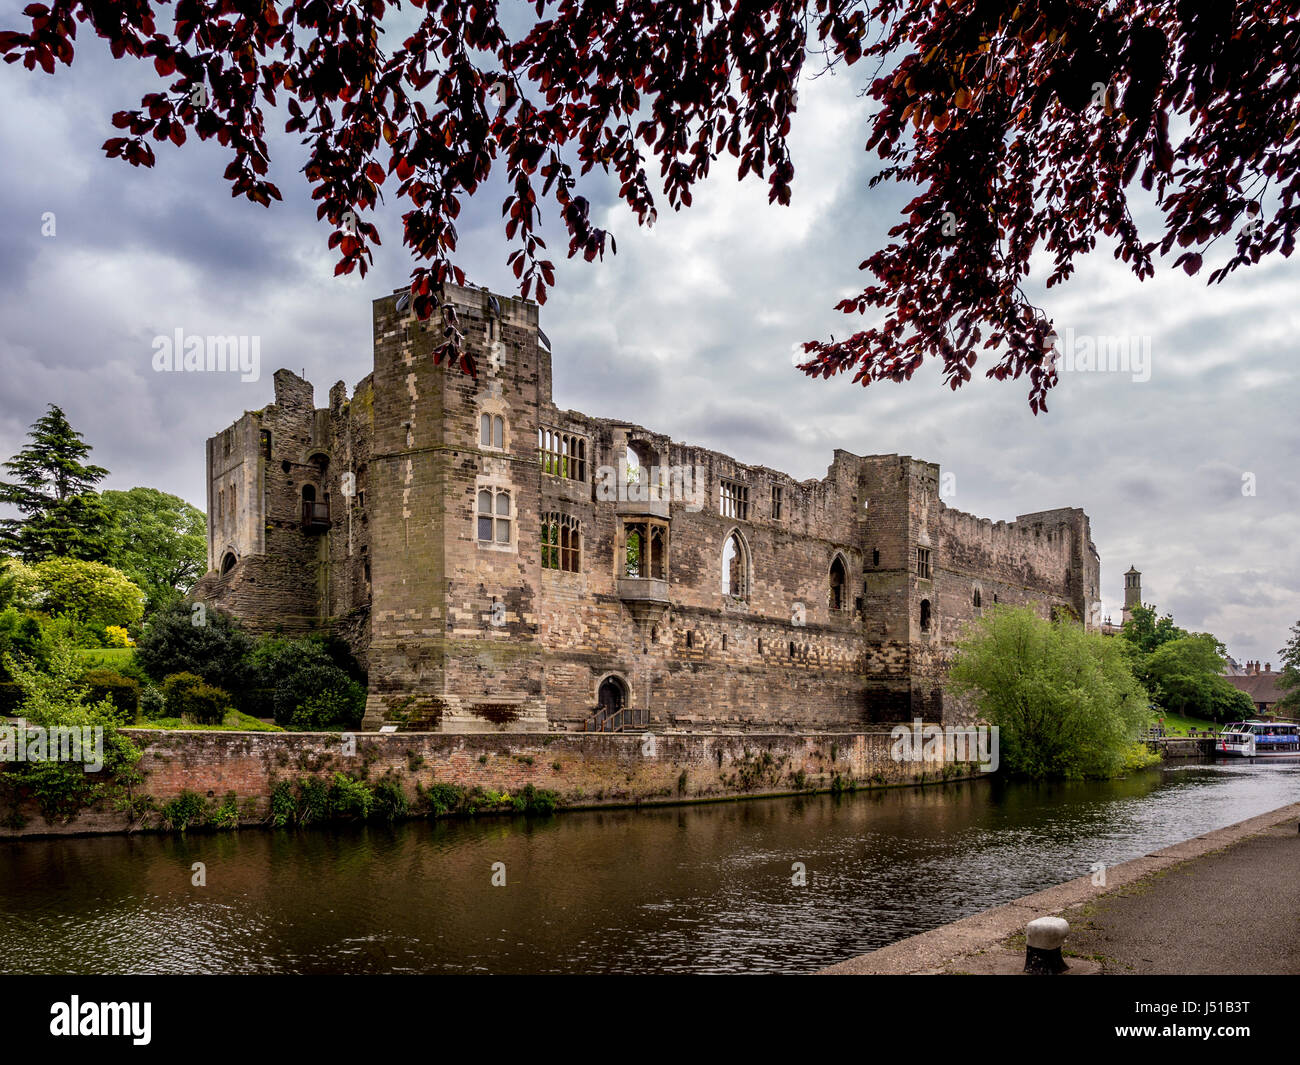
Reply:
x=1132, y=592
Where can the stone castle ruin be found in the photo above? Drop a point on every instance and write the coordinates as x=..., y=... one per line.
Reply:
x=498, y=563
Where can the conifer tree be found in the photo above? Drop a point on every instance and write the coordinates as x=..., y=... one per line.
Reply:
x=53, y=490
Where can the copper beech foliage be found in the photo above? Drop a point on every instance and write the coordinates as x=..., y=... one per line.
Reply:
x=1022, y=127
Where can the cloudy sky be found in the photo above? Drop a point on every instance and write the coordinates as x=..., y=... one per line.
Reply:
x=690, y=329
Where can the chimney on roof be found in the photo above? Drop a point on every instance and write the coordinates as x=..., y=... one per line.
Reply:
x=1268, y=667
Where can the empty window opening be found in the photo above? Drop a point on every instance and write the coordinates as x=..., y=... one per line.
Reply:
x=838, y=579
x=645, y=550
x=777, y=500
x=977, y=599
x=734, y=500
x=228, y=563
x=562, y=454
x=561, y=543
x=925, y=615
x=735, y=568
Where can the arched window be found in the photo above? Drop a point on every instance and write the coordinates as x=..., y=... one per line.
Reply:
x=838, y=580
x=735, y=568
x=561, y=543
x=494, y=516
x=925, y=615
x=492, y=431
x=977, y=599
x=309, y=493
x=228, y=563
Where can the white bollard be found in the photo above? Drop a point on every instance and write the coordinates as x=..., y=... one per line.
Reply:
x=1044, y=937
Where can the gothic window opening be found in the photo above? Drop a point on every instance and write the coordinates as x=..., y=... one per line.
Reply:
x=228, y=563
x=561, y=543
x=735, y=568
x=838, y=581
x=493, y=516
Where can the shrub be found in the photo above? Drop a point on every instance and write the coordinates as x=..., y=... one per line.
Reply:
x=20, y=635
x=123, y=692
x=390, y=800
x=323, y=709
x=186, y=695
x=227, y=814
x=313, y=800
x=309, y=689
x=350, y=798
x=152, y=703
x=284, y=807
x=440, y=798
x=535, y=800
x=117, y=636
x=188, y=809
x=217, y=650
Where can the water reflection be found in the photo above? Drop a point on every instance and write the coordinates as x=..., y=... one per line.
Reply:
x=704, y=888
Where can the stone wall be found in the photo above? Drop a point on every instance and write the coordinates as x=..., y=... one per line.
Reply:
x=584, y=770
x=462, y=633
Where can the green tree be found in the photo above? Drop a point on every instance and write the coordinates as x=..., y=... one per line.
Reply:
x=1289, y=676
x=89, y=592
x=54, y=491
x=1147, y=632
x=181, y=639
x=1065, y=701
x=1185, y=676
x=158, y=540
x=54, y=694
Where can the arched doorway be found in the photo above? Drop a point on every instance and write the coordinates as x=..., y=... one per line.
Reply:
x=612, y=696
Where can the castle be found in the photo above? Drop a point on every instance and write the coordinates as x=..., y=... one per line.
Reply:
x=498, y=563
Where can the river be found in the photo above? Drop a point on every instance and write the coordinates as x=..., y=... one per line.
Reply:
x=705, y=888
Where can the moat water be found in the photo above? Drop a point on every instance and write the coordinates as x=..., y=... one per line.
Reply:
x=682, y=889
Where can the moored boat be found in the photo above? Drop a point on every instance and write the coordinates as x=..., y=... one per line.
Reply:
x=1259, y=739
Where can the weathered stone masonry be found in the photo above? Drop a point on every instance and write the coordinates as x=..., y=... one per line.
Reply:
x=499, y=563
